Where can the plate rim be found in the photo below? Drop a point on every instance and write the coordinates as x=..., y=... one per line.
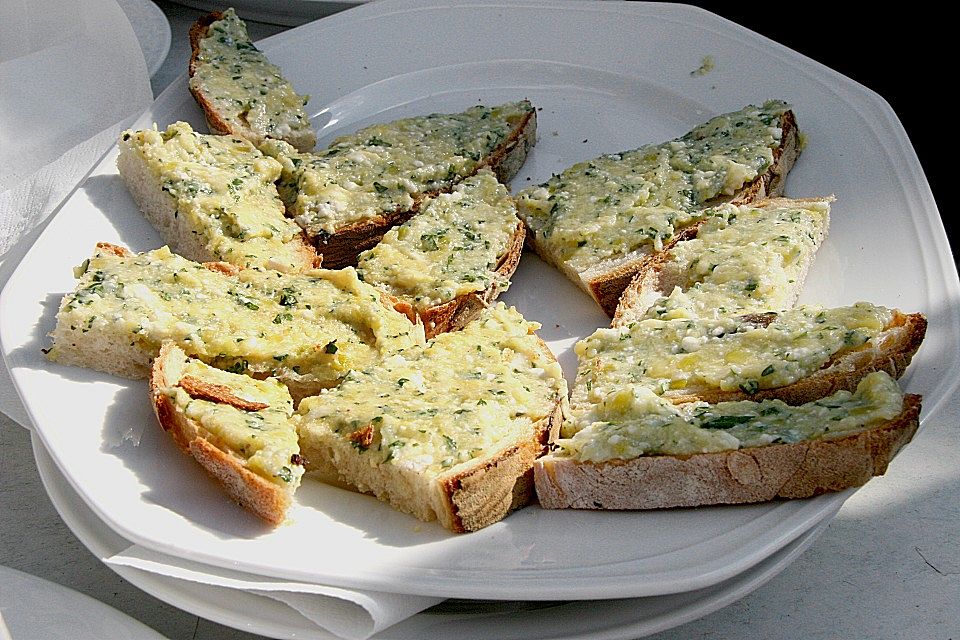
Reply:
x=821, y=509
x=710, y=599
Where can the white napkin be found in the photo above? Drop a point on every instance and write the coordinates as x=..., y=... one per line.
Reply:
x=73, y=77
x=347, y=613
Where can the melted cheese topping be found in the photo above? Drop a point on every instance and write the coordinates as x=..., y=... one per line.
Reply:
x=743, y=260
x=384, y=168
x=430, y=409
x=225, y=189
x=266, y=439
x=244, y=87
x=313, y=327
x=726, y=353
x=450, y=249
x=633, y=201
x=634, y=421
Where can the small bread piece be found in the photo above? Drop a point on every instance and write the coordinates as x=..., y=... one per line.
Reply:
x=347, y=196
x=839, y=442
x=240, y=430
x=212, y=198
x=796, y=356
x=448, y=262
x=240, y=91
x=739, y=259
x=308, y=329
x=597, y=220
x=448, y=432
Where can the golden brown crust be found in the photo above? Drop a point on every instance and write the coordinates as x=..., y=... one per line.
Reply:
x=342, y=248
x=117, y=250
x=267, y=500
x=455, y=314
x=225, y=268
x=486, y=492
x=756, y=474
x=203, y=390
x=607, y=287
x=198, y=31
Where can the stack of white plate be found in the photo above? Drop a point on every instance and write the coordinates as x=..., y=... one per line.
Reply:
x=626, y=81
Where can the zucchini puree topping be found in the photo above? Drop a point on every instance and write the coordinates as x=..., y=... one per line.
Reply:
x=451, y=248
x=245, y=87
x=429, y=409
x=637, y=200
x=313, y=327
x=744, y=259
x=265, y=438
x=225, y=188
x=384, y=168
x=747, y=353
x=634, y=421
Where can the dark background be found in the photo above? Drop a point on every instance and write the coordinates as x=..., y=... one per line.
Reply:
x=903, y=53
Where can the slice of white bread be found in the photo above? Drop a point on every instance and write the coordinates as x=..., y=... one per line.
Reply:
x=240, y=91
x=739, y=259
x=240, y=430
x=448, y=262
x=347, y=196
x=597, y=220
x=212, y=198
x=308, y=330
x=448, y=432
x=796, y=356
x=877, y=422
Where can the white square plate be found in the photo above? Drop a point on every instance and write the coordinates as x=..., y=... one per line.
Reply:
x=608, y=77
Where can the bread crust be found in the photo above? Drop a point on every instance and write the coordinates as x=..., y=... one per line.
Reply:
x=484, y=492
x=217, y=123
x=267, y=500
x=756, y=474
x=342, y=248
x=606, y=282
x=457, y=313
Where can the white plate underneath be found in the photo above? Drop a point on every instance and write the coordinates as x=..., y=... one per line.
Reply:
x=467, y=620
x=152, y=29
x=37, y=608
x=627, y=82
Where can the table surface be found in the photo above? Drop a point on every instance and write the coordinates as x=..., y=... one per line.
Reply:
x=887, y=567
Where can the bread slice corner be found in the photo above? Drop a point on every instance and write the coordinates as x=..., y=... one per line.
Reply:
x=758, y=474
x=267, y=498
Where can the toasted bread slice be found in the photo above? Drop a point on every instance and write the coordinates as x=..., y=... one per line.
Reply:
x=447, y=263
x=597, y=220
x=308, y=330
x=448, y=432
x=240, y=91
x=739, y=259
x=239, y=429
x=212, y=198
x=347, y=196
x=829, y=445
x=796, y=356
